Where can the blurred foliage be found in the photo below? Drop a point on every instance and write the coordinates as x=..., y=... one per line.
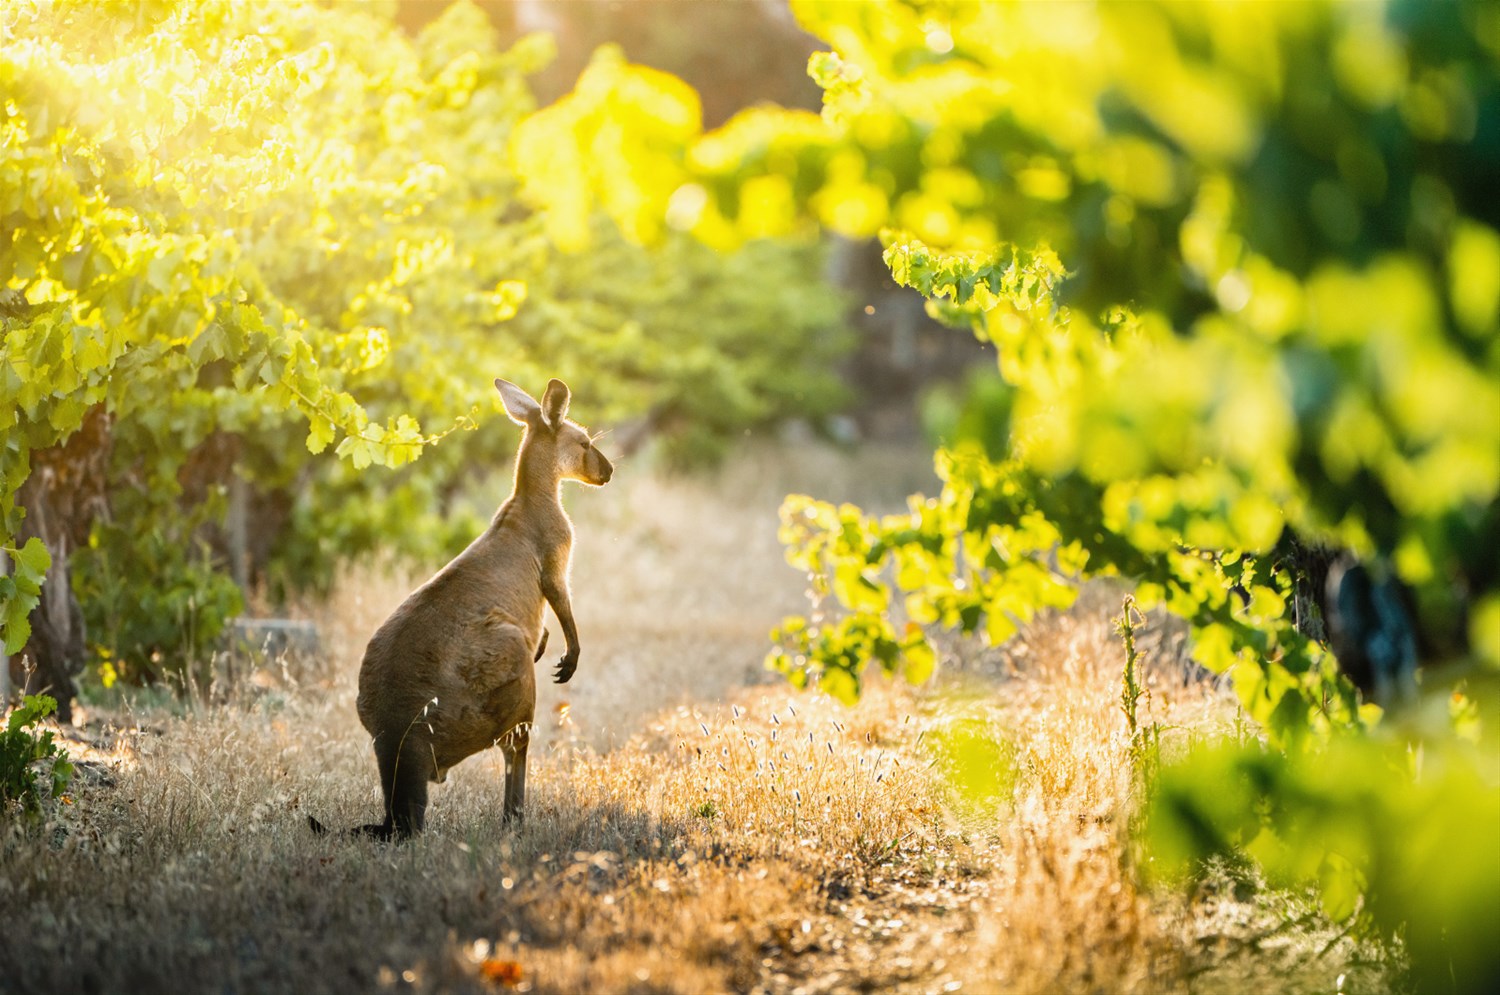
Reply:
x=1394, y=839
x=979, y=766
x=1220, y=360
x=298, y=229
x=1238, y=265
x=975, y=409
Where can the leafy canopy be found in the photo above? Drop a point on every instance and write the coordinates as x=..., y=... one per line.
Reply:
x=260, y=236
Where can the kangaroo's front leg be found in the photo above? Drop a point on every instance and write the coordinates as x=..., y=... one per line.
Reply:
x=555, y=589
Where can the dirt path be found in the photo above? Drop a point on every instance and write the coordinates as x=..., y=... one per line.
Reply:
x=905, y=930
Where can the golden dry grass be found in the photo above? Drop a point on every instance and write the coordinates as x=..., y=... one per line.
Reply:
x=692, y=825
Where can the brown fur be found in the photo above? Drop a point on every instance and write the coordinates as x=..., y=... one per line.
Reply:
x=451, y=672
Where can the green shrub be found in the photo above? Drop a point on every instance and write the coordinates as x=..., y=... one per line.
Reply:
x=154, y=603
x=22, y=749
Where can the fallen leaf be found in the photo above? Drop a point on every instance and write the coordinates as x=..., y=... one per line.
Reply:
x=503, y=972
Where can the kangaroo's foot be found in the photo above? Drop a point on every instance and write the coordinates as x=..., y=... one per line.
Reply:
x=385, y=832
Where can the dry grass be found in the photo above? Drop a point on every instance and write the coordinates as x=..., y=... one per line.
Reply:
x=691, y=827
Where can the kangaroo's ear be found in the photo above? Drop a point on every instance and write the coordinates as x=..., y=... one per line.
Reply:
x=555, y=402
x=521, y=406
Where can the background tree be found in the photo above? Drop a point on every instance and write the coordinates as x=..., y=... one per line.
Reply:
x=733, y=53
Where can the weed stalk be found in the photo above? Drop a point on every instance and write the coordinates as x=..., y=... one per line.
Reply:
x=1145, y=741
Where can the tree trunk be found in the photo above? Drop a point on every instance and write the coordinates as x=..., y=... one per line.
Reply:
x=4, y=657
x=63, y=494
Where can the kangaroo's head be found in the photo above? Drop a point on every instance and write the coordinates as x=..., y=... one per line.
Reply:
x=551, y=439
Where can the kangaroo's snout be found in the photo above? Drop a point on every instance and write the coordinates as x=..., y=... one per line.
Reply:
x=599, y=469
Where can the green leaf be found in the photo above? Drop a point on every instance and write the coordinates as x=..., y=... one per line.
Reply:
x=856, y=590
x=319, y=434
x=1341, y=886
x=33, y=709
x=840, y=684
x=17, y=619
x=918, y=656
x=998, y=627
x=357, y=450
x=33, y=557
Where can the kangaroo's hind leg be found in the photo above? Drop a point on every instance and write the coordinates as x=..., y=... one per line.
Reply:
x=510, y=704
x=406, y=765
x=514, y=745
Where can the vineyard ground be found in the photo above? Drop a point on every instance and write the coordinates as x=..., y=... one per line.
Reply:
x=694, y=825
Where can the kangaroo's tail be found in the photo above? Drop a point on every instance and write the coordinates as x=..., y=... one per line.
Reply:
x=382, y=831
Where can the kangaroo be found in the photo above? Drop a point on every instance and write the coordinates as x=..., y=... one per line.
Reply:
x=452, y=671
